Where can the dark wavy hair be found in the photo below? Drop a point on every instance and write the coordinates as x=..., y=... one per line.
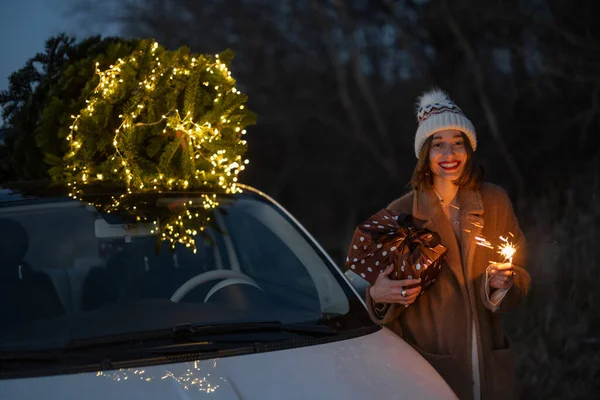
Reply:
x=470, y=179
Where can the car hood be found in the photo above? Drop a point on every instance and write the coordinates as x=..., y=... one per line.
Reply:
x=378, y=365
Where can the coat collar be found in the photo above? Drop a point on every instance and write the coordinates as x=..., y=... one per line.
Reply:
x=427, y=207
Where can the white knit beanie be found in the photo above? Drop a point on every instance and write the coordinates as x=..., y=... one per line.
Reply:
x=435, y=113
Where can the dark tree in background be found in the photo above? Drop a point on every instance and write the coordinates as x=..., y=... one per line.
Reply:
x=41, y=98
x=334, y=83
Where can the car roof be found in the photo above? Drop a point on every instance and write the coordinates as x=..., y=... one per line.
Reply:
x=33, y=193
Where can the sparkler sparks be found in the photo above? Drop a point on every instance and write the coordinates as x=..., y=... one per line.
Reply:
x=483, y=242
x=506, y=249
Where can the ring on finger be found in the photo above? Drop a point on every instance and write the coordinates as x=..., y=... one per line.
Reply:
x=403, y=293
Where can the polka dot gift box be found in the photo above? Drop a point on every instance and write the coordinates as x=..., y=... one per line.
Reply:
x=392, y=238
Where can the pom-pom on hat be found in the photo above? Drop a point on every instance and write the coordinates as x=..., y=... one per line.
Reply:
x=437, y=112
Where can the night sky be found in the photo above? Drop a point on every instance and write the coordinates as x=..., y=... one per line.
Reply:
x=26, y=24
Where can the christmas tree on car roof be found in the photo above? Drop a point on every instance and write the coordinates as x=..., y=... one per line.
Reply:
x=158, y=121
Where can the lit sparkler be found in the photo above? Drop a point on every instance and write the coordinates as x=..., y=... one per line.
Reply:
x=506, y=249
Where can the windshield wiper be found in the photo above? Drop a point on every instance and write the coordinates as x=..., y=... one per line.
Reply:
x=191, y=333
x=245, y=327
x=105, y=351
x=227, y=341
x=179, y=339
x=33, y=356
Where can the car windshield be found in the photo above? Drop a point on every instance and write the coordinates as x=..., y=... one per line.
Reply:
x=70, y=272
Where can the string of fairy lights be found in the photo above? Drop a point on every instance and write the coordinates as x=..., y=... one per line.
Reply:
x=197, y=138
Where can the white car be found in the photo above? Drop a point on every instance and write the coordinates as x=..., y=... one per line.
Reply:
x=94, y=306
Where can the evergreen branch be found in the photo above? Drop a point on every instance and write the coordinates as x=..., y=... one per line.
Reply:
x=168, y=154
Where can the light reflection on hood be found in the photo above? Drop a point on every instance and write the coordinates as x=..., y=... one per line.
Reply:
x=192, y=379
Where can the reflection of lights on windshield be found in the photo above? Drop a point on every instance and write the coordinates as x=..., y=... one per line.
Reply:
x=190, y=380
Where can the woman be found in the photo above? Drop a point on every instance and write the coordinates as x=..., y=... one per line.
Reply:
x=456, y=325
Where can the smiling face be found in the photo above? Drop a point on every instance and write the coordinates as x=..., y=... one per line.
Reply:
x=450, y=146
x=447, y=155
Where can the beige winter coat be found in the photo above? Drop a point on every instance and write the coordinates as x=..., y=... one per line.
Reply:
x=439, y=324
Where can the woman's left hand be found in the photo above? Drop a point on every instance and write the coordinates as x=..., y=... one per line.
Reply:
x=501, y=275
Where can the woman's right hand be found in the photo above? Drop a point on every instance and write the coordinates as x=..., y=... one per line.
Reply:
x=386, y=290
